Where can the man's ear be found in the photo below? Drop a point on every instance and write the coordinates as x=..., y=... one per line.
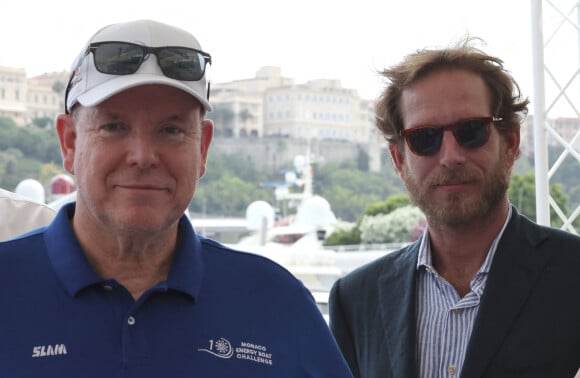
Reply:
x=512, y=143
x=397, y=156
x=206, y=137
x=67, y=135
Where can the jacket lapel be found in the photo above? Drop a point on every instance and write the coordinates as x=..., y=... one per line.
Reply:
x=512, y=276
x=397, y=302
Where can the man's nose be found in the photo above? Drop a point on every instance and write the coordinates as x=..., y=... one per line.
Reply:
x=451, y=153
x=142, y=151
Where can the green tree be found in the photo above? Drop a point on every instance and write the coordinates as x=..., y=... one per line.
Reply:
x=9, y=161
x=567, y=173
x=220, y=165
x=222, y=117
x=352, y=235
x=43, y=122
x=229, y=195
x=8, y=133
x=349, y=190
x=18, y=169
x=244, y=115
x=522, y=193
x=346, y=235
x=391, y=203
x=3, y=160
x=34, y=143
x=362, y=160
x=58, y=86
x=347, y=203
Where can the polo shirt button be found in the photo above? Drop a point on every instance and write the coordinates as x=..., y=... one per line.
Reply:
x=131, y=320
x=107, y=287
x=456, y=311
x=452, y=369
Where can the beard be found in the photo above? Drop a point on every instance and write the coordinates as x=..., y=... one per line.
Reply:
x=459, y=209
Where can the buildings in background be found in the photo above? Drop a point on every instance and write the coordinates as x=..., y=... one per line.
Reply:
x=568, y=129
x=264, y=106
x=268, y=105
x=13, y=91
x=272, y=105
x=561, y=129
x=26, y=99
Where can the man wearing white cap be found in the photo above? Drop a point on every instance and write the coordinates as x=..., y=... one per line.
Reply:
x=119, y=284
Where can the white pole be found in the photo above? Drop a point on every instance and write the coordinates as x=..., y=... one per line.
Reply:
x=263, y=230
x=540, y=143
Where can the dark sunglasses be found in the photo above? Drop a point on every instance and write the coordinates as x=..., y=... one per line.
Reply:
x=123, y=58
x=469, y=133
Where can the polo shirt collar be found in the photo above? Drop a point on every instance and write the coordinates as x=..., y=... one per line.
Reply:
x=76, y=273
x=186, y=274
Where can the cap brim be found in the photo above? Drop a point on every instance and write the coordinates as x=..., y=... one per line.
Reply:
x=118, y=84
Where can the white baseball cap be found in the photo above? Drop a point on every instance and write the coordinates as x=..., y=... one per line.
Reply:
x=90, y=87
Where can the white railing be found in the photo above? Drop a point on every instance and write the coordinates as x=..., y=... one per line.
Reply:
x=557, y=29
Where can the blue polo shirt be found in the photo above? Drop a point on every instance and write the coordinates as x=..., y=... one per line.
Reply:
x=221, y=313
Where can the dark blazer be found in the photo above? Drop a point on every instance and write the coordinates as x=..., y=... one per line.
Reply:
x=528, y=324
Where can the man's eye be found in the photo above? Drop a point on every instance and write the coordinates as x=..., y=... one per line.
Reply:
x=172, y=130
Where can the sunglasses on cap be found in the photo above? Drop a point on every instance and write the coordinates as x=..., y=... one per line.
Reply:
x=469, y=133
x=124, y=58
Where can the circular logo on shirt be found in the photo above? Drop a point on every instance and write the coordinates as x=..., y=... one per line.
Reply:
x=220, y=348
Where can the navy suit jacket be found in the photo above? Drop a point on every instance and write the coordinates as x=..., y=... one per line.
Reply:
x=528, y=324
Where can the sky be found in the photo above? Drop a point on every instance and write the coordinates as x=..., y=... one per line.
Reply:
x=308, y=39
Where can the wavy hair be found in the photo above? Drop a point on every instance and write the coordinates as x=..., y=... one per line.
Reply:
x=506, y=98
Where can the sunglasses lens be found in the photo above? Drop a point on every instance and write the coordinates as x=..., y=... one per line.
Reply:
x=425, y=140
x=182, y=63
x=472, y=133
x=118, y=58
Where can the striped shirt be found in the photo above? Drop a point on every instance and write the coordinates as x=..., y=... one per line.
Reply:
x=444, y=320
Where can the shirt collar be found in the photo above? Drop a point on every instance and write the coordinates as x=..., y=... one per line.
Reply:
x=425, y=257
x=76, y=273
